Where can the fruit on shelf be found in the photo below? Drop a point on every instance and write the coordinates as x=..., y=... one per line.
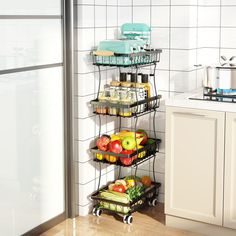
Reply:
x=127, y=161
x=129, y=143
x=102, y=142
x=150, y=141
x=99, y=156
x=146, y=181
x=141, y=154
x=124, y=133
x=143, y=135
x=127, y=152
x=115, y=137
x=115, y=146
x=111, y=159
x=152, y=145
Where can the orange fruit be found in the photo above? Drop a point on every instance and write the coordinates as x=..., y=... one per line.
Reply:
x=146, y=181
x=111, y=159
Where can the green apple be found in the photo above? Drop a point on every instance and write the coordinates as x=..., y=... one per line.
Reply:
x=128, y=143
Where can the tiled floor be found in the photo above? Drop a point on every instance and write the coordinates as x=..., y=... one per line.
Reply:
x=149, y=221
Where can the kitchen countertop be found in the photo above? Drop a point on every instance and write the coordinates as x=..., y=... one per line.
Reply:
x=184, y=101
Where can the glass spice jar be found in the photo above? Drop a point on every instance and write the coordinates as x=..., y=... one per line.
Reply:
x=101, y=108
x=114, y=99
x=125, y=99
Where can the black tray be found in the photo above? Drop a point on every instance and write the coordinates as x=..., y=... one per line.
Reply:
x=150, y=149
x=150, y=104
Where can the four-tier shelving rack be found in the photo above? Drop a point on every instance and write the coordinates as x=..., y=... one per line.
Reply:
x=134, y=61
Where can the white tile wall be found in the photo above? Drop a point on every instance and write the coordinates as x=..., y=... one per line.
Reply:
x=183, y=16
x=203, y=16
x=187, y=35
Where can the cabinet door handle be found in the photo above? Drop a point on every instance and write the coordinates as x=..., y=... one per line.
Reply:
x=189, y=114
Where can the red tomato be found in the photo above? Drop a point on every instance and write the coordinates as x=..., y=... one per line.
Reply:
x=119, y=188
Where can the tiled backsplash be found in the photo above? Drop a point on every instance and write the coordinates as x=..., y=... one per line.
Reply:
x=190, y=32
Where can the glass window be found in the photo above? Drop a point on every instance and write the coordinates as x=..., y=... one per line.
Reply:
x=30, y=7
x=30, y=42
x=32, y=153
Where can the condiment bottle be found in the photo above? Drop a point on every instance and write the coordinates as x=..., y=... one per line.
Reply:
x=146, y=84
x=114, y=99
x=139, y=90
x=147, y=88
x=125, y=99
x=102, y=108
x=123, y=80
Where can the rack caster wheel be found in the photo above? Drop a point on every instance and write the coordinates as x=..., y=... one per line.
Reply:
x=153, y=202
x=97, y=212
x=128, y=219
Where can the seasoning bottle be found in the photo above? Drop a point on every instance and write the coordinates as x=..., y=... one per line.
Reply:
x=123, y=80
x=139, y=92
x=147, y=86
x=125, y=99
x=102, y=108
x=114, y=99
x=134, y=79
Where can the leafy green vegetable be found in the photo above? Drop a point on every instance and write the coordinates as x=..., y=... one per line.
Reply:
x=135, y=192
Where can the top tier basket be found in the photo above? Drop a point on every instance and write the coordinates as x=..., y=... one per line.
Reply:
x=128, y=60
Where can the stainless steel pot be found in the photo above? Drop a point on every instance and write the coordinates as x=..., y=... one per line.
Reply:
x=227, y=77
x=222, y=76
x=210, y=77
x=219, y=77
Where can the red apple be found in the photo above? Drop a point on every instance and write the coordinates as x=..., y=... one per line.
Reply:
x=127, y=161
x=115, y=146
x=102, y=142
x=143, y=135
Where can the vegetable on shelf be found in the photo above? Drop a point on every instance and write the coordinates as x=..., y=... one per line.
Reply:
x=146, y=181
x=119, y=188
x=130, y=183
x=135, y=192
x=115, y=196
x=121, y=181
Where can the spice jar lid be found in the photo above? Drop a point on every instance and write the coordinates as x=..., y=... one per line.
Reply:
x=123, y=77
x=134, y=78
x=145, y=78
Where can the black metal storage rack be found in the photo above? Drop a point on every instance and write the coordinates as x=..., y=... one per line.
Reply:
x=134, y=61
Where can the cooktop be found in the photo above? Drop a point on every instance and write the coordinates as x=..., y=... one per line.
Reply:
x=215, y=96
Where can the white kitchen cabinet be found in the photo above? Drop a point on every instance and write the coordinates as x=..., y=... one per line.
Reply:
x=230, y=172
x=195, y=164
